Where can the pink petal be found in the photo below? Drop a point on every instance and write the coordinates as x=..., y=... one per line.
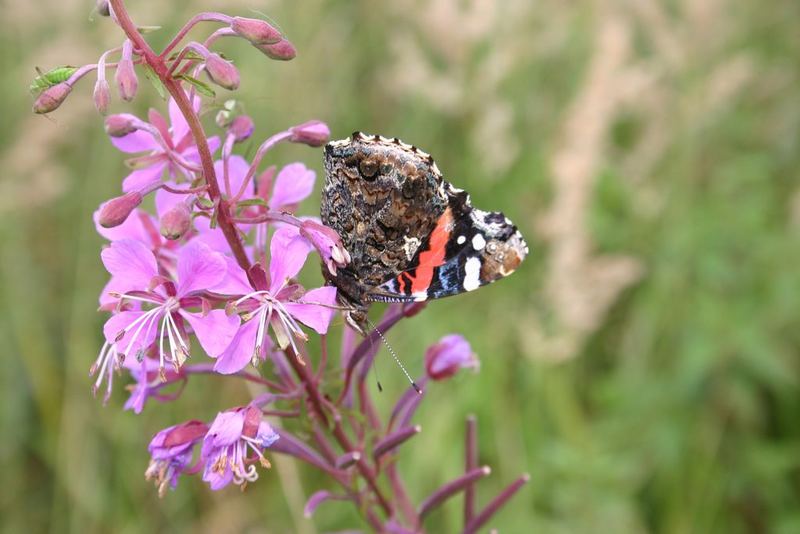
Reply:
x=199, y=268
x=317, y=315
x=235, y=281
x=240, y=351
x=213, y=237
x=225, y=430
x=293, y=184
x=144, y=177
x=135, y=142
x=132, y=228
x=131, y=262
x=165, y=200
x=114, y=285
x=191, y=154
x=288, y=252
x=237, y=169
x=214, y=331
x=123, y=321
x=179, y=126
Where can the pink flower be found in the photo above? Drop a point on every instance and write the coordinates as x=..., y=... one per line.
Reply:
x=232, y=436
x=171, y=453
x=273, y=300
x=446, y=357
x=168, y=149
x=135, y=270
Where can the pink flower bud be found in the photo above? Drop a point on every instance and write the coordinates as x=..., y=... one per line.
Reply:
x=311, y=133
x=283, y=50
x=327, y=243
x=256, y=31
x=446, y=357
x=101, y=96
x=102, y=8
x=127, y=82
x=176, y=222
x=51, y=98
x=242, y=127
x=115, y=211
x=222, y=72
x=121, y=124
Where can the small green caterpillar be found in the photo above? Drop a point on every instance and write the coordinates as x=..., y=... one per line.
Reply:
x=51, y=78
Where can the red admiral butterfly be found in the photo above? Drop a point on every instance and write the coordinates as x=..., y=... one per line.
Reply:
x=411, y=235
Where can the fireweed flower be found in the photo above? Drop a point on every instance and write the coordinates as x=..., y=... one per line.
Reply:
x=198, y=269
x=232, y=436
x=168, y=148
x=171, y=453
x=273, y=300
x=446, y=357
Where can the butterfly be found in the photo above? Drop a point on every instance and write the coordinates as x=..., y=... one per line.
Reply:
x=411, y=235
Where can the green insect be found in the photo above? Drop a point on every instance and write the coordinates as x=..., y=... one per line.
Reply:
x=51, y=78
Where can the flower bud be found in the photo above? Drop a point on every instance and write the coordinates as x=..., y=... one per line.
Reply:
x=176, y=222
x=311, y=133
x=242, y=128
x=115, y=211
x=327, y=243
x=121, y=124
x=51, y=98
x=283, y=50
x=222, y=72
x=446, y=357
x=101, y=96
x=127, y=82
x=102, y=7
x=256, y=31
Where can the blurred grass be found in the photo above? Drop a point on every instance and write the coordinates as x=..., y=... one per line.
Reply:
x=643, y=363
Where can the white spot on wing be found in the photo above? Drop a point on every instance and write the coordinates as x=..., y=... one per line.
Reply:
x=478, y=242
x=461, y=240
x=472, y=273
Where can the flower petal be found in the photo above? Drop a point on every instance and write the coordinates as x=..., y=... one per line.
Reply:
x=214, y=331
x=144, y=177
x=240, y=351
x=132, y=228
x=131, y=262
x=293, y=184
x=235, y=281
x=199, y=268
x=179, y=125
x=225, y=430
x=237, y=170
x=165, y=200
x=318, y=312
x=135, y=142
x=288, y=252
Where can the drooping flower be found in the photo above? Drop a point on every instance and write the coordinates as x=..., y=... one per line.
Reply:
x=167, y=148
x=171, y=453
x=135, y=269
x=233, y=435
x=270, y=299
x=447, y=356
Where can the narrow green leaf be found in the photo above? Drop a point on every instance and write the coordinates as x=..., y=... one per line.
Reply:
x=202, y=87
x=150, y=74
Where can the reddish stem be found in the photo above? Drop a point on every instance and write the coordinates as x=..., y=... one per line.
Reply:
x=159, y=67
x=471, y=462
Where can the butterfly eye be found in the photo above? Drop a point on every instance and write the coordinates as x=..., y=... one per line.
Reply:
x=368, y=168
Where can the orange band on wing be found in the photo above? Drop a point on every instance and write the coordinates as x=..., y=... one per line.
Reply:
x=433, y=256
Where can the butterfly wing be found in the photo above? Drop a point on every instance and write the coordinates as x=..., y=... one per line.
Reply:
x=468, y=248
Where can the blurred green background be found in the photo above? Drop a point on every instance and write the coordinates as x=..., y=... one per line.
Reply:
x=642, y=365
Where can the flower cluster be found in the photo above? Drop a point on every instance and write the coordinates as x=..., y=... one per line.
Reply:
x=206, y=283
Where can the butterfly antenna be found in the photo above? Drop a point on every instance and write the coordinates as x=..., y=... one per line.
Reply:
x=394, y=355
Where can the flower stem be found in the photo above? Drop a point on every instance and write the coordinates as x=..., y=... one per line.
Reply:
x=159, y=66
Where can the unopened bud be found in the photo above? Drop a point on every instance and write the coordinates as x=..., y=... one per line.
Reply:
x=101, y=96
x=127, y=82
x=311, y=133
x=102, y=8
x=176, y=222
x=446, y=357
x=115, y=211
x=283, y=50
x=256, y=31
x=242, y=127
x=51, y=98
x=222, y=72
x=121, y=124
